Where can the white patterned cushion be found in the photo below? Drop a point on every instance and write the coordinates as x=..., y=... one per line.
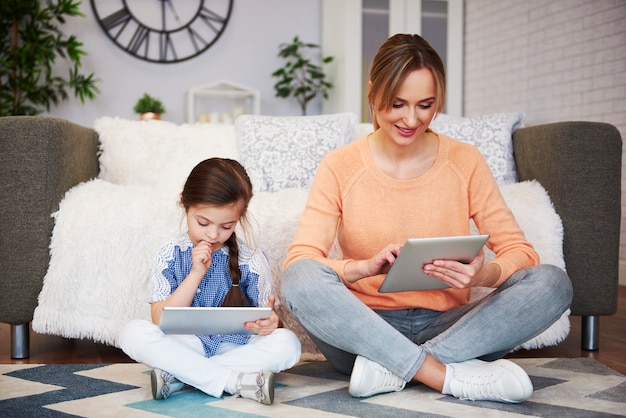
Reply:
x=284, y=151
x=159, y=153
x=491, y=134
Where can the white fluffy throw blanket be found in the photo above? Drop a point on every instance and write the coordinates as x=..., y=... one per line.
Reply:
x=106, y=235
x=103, y=241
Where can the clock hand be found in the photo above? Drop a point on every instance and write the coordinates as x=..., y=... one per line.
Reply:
x=169, y=2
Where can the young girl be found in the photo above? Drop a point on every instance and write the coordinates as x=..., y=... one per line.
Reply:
x=209, y=266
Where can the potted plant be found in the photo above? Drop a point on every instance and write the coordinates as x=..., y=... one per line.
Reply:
x=301, y=78
x=149, y=107
x=30, y=45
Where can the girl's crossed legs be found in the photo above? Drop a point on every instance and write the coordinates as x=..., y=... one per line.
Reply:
x=183, y=356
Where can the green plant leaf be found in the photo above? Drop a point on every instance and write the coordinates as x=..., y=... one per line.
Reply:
x=147, y=103
x=28, y=56
x=300, y=77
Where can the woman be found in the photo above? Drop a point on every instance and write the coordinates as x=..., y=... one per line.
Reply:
x=406, y=181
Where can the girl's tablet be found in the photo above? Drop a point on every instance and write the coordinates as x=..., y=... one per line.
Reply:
x=213, y=320
x=407, y=273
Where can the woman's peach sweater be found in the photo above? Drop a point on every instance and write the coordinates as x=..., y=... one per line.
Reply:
x=353, y=200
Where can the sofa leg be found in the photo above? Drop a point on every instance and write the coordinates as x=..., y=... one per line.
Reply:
x=590, y=332
x=20, y=340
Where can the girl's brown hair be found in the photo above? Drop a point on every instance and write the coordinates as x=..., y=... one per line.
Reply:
x=398, y=56
x=220, y=182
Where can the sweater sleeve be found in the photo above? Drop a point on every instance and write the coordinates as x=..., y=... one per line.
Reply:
x=492, y=216
x=317, y=229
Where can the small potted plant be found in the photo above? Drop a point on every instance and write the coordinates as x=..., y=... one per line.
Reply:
x=301, y=77
x=149, y=107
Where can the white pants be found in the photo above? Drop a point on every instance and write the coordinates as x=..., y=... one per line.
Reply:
x=183, y=355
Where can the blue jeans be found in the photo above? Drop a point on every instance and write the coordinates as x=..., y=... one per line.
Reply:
x=342, y=326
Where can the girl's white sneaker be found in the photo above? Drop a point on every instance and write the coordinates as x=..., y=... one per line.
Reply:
x=164, y=384
x=256, y=386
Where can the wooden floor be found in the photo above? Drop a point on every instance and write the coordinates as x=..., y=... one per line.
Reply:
x=53, y=349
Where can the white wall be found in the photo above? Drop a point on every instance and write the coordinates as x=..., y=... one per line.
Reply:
x=245, y=54
x=554, y=60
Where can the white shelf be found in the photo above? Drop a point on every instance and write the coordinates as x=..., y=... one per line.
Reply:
x=221, y=102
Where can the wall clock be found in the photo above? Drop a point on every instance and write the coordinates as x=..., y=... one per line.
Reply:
x=163, y=31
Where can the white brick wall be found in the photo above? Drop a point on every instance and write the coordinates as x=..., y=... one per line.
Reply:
x=555, y=60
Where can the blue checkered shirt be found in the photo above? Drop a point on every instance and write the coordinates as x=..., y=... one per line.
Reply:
x=173, y=264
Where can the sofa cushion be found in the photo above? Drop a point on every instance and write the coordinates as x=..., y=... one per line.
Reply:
x=491, y=134
x=284, y=151
x=159, y=153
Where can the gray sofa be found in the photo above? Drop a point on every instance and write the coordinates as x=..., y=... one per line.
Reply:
x=578, y=163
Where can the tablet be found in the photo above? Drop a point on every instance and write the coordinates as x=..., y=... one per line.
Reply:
x=214, y=320
x=407, y=272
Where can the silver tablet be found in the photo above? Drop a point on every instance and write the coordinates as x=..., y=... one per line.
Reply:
x=215, y=320
x=407, y=272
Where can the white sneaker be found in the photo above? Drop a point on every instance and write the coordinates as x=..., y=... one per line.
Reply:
x=500, y=381
x=369, y=378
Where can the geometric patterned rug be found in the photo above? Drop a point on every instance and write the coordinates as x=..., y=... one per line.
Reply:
x=564, y=387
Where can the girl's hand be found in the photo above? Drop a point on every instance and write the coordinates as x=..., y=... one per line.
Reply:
x=460, y=275
x=265, y=326
x=379, y=264
x=183, y=295
x=201, y=256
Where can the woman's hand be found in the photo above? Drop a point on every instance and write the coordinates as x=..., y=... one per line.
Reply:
x=379, y=264
x=265, y=326
x=460, y=275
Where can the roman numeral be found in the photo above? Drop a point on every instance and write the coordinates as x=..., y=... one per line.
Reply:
x=210, y=17
x=212, y=20
x=121, y=17
x=140, y=37
x=165, y=46
x=194, y=36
